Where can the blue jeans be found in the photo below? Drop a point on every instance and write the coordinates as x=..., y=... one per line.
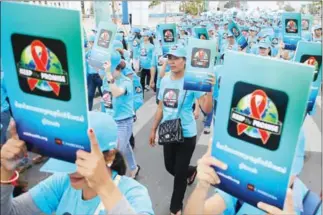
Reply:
x=5, y=120
x=93, y=81
x=124, y=134
x=157, y=92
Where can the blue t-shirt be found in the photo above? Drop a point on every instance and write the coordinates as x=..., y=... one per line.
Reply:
x=146, y=55
x=299, y=191
x=4, y=95
x=56, y=195
x=227, y=46
x=118, y=107
x=172, y=94
x=89, y=69
x=136, y=49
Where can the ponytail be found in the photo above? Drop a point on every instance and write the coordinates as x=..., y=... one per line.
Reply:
x=119, y=164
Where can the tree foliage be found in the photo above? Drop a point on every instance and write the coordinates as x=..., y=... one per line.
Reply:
x=193, y=7
x=289, y=8
x=154, y=3
x=230, y=4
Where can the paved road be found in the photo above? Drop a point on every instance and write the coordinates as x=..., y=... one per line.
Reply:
x=159, y=183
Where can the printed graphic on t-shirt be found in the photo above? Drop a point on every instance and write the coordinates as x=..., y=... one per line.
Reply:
x=143, y=52
x=107, y=99
x=170, y=98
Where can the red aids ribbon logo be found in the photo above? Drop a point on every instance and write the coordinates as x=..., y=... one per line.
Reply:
x=41, y=65
x=256, y=112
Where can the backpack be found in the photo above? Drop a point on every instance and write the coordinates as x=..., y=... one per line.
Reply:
x=311, y=203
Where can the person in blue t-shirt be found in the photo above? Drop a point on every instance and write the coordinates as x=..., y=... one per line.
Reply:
x=5, y=113
x=93, y=79
x=317, y=33
x=95, y=184
x=223, y=203
x=174, y=103
x=146, y=55
x=118, y=102
x=230, y=45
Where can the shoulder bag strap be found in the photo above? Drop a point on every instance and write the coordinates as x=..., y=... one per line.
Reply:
x=100, y=207
x=180, y=108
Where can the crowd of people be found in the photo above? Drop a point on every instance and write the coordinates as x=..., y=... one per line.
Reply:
x=99, y=181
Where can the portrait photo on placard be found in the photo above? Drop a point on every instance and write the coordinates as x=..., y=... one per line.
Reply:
x=104, y=38
x=305, y=24
x=291, y=26
x=257, y=115
x=168, y=35
x=313, y=60
x=41, y=65
x=200, y=57
x=235, y=32
x=202, y=36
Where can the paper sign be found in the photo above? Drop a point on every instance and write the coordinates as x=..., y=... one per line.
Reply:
x=102, y=48
x=311, y=54
x=292, y=29
x=168, y=34
x=44, y=69
x=241, y=40
x=307, y=21
x=260, y=111
x=200, y=62
x=201, y=33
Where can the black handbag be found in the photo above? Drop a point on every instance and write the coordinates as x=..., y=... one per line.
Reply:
x=171, y=131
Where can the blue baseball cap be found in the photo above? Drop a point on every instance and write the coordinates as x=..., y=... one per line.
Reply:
x=263, y=44
x=316, y=27
x=146, y=34
x=92, y=38
x=115, y=60
x=177, y=51
x=253, y=28
x=135, y=30
x=105, y=130
x=117, y=45
x=229, y=34
x=298, y=162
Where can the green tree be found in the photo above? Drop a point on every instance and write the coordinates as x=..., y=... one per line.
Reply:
x=289, y=8
x=230, y=4
x=315, y=7
x=154, y=3
x=193, y=7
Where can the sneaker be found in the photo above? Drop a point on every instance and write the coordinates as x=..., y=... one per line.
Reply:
x=146, y=89
x=207, y=130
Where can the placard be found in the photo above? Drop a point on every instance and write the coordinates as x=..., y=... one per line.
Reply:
x=168, y=34
x=241, y=40
x=102, y=47
x=260, y=111
x=201, y=33
x=307, y=21
x=200, y=63
x=310, y=53
x=44, y=69
x=292, y=29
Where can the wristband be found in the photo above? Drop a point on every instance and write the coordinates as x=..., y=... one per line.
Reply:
x=13, y=179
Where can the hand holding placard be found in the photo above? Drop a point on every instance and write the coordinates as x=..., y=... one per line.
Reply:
x=205, y=172
x=288, y=207
x=92, y=166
